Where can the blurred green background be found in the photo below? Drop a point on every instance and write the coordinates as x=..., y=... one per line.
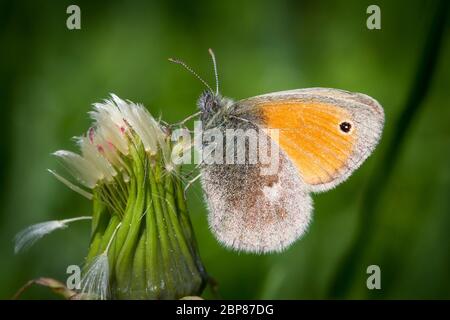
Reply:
x=394, y=212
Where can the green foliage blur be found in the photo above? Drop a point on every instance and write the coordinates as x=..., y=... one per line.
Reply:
x=49, y=77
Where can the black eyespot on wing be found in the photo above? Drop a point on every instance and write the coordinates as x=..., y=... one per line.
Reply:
x=345, y=126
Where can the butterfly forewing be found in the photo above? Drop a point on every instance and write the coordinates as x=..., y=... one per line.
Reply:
x=326, y=133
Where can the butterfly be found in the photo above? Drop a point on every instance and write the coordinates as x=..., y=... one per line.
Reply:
x=323, y=135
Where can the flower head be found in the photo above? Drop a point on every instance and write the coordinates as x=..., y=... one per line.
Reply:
x=142, y=245
x=119, y=127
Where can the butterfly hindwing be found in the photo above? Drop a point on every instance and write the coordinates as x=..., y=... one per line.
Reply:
x=252, y=212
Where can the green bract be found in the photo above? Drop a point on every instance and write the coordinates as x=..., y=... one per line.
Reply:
x=142, y=243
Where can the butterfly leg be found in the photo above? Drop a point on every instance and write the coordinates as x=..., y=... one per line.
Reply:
x=191, y=182
x=182, y=122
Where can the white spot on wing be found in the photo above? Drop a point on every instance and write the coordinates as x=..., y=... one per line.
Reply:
x=272, y=193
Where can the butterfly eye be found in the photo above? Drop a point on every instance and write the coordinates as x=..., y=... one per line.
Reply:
x=345, y=127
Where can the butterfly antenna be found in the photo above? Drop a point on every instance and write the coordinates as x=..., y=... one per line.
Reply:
x=216, y=74
x=191, y=71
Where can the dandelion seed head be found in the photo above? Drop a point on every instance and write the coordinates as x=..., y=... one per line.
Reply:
x=92, y=154
x=119, y=126
x=80, y=168
x=27, y=237
x=95, y=283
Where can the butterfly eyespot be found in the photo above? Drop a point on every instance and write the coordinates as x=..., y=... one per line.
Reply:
x=345, y=126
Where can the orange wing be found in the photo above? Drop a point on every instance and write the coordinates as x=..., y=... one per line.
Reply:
x=326, y=133
x=310, y=135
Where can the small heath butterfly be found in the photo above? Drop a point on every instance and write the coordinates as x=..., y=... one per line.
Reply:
x=322, y=135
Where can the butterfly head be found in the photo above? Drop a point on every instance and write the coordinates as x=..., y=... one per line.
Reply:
x=208, y=102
